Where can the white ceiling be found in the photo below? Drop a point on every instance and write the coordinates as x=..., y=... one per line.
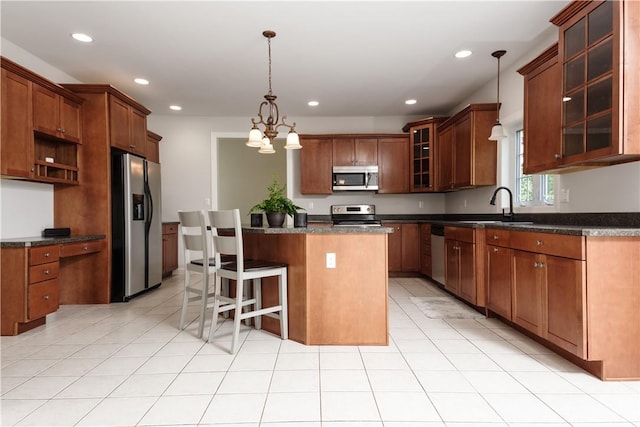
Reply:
x=360, y=58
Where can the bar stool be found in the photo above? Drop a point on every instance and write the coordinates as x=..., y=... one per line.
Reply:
x=197, y=247
x=240, y=271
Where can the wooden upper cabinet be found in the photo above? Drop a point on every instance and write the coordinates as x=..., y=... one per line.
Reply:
x=423, y=151
x=393, y=158
x=316, y=159
x=56, y=115
x=600, y=57
x=16, y=147
x=153, y=146
x=542, y=104
x=355, y=151
x=464, y=150
x=128, y=127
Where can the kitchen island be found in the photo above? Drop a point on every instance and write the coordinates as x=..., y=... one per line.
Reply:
x=341, y=303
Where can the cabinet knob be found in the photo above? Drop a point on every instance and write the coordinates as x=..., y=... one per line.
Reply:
x=535, y=264
x=495, y=237
x=541, y=264
x=46, y=254
x=58, y=129
x=33, y=169
x=63, y=130
x=46, y=297
x=46, y=272
x=539, y=242
x=495, y=249
x=557, y=156
x=84, y=248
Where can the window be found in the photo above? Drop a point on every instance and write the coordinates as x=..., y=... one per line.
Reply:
x=531, y=190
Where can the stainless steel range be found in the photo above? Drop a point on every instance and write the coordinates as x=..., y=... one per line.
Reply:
x=354, y=216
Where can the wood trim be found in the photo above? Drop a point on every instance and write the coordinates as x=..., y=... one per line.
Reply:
x=548, y=55
x=569, y=11
x=9, y=65
x=462, y=113
x=106, y=88
x=423, y=122
x=353, y=135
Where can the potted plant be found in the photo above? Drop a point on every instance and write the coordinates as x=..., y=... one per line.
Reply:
x=277, y=205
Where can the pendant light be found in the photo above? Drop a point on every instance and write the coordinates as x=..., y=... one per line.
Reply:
x=271, y=125
x=497, y=131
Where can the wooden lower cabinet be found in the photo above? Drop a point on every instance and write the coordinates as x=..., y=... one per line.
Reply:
x=499, y=276
x=464, y=274
x=527, y=291
x=37, y=280
x=579, y=294
x=169, y=248
x=404, y=247
x=425, y=250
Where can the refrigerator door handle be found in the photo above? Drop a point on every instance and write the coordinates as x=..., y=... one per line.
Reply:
x=147, y=192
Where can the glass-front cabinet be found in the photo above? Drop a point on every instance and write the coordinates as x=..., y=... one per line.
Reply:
x=597, y=108
x=423, y=151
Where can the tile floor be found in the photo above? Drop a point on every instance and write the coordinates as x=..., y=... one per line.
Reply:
x=127, y=364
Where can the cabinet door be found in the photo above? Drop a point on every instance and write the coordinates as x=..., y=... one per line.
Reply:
x=315, y=166
x=527, y=291
x=16, y=145
x=344, y=152
x=153, y=147
x=394, y=165
x=425, y=248
x=565, y=304
x=119, y=124
x=70, y=120
x=467, y=271
x=452, y=266
x=138, y=133
x=499, y=280
x=542, y=104
x=366, y=151
x=169, y=249
x=462, y=153
x=395, y=247
x=410, y=247
x=46, y=107
x=445, y=159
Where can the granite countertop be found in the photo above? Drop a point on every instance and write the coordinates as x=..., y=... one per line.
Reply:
x=21, y=242
x=575, y=230
x=317, y=230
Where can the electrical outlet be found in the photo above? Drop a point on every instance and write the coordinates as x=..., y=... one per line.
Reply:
x=420, y=204
x=465, y=203
x=331, y=260
x=564, y=195
x=310, y=205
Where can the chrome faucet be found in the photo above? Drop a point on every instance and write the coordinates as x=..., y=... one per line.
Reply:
x=493, y=202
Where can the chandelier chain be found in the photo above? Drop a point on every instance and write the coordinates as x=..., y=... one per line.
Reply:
x=269, y=42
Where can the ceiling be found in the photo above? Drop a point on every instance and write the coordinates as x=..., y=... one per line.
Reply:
x=360, y=58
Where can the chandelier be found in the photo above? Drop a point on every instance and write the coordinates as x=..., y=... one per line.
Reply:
x=271, y=125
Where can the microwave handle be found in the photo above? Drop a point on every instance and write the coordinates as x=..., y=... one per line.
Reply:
x=368, y=176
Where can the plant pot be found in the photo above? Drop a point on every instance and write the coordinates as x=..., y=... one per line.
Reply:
x=276, y=219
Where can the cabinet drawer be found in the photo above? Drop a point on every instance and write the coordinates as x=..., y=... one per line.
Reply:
x=81, y=248
x=497, y=237
x=459, y=233
x=41, y=272
x=44, y=254
x=44, y=298
x=169, y=228
x=550, y=244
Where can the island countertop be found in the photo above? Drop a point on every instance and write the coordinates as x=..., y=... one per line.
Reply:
x=21, y=242
x=318, y=230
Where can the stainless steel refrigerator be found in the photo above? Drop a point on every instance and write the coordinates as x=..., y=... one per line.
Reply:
x=136, y=226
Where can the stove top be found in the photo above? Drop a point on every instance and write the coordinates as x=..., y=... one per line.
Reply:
x=354, y=216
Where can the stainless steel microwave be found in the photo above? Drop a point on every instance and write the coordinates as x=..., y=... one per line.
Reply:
x=355, y=178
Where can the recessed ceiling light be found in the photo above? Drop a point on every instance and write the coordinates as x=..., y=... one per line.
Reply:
x=410, y=101
x=463, y=53
x=313, y=103
x=82, y=37
x=141, y=81
x=175, y=107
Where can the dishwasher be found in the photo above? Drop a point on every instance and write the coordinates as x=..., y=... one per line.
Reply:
x=437, y=253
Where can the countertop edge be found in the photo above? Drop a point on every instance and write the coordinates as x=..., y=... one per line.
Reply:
x=25, y=242
x=317, y=230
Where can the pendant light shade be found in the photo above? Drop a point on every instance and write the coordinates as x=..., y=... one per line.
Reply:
x=497, y=131
x=255, y=137
x=293, y=141
x=266, y=147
